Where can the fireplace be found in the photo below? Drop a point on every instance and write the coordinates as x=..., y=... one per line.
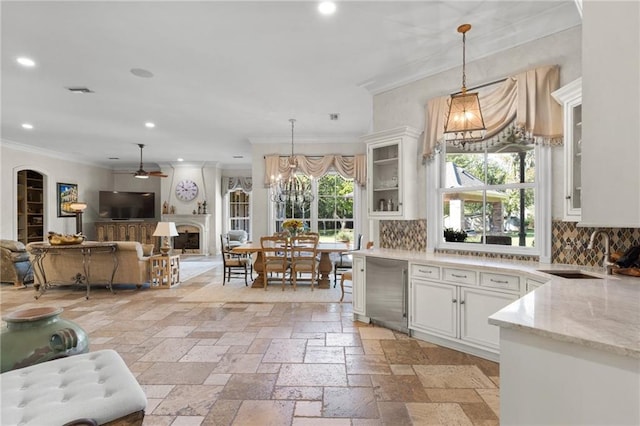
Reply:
x=193, y=233
x=188, y=240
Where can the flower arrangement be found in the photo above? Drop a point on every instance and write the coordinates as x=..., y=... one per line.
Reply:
x=293, y=226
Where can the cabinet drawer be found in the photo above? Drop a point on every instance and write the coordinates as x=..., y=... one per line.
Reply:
x=506, y=282
x=425, y=271
x=461, y=276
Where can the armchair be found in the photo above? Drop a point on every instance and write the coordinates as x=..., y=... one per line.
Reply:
x=15, y=266
x=236, y=238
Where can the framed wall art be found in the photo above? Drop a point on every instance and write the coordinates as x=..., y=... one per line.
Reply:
x=66, y=193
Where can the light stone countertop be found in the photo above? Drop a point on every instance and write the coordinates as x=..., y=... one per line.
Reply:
x=601, y=313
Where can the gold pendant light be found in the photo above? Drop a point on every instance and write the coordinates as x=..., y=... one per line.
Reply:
x=464, y=122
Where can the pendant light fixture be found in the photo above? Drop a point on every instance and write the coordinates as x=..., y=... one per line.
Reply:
x=464, y=123
x=295, y=191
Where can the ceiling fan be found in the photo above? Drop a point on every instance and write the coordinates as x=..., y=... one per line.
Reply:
x=141, y=173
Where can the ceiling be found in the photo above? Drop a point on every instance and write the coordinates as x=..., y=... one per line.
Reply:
x=227, y=74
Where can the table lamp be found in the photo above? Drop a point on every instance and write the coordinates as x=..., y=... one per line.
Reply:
x=76, y=207
x=166, y=230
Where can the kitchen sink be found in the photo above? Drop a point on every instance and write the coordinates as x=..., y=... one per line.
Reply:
x=572, y=275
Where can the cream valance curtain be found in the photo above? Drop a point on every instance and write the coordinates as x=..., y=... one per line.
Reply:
x=520, y=107
x=349, y=167
x=244, y=183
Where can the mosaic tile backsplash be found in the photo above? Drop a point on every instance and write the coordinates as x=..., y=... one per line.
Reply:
x=568, y=246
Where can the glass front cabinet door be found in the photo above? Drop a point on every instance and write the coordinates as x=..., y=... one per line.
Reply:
x=391, y=173
x=570, y=97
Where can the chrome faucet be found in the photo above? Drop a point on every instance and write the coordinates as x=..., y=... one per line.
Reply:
x=606, y=262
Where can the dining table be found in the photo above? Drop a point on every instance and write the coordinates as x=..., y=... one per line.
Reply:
x=324, y=266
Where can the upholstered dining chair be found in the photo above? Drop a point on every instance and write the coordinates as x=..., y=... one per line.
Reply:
x=304, y=257
x=233, y=265
x=345, y=261
x=275, y=257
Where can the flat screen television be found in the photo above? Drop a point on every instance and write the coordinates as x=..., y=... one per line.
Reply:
x=119, y=205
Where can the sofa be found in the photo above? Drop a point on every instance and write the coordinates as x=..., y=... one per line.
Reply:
x=15, y=267
x=133, y=265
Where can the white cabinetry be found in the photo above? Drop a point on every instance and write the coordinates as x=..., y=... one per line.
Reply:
x=359, y=290
x=392, y=173
x=570, y=96
x=453, y=311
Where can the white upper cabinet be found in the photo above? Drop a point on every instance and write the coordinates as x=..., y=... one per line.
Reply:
x=610, y=112
x=570, y=97
x=392, y=158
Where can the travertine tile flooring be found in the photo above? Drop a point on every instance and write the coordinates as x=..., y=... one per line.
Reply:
x=274, y=364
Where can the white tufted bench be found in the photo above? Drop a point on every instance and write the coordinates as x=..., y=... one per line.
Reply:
x=96, y=385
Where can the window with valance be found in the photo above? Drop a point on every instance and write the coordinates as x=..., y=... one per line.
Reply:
x=492, y=192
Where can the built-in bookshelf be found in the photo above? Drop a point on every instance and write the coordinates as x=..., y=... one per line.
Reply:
x=30, y=206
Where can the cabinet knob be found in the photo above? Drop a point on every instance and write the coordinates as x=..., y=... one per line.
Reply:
x=568, y=197
x=454, y=301
x=462, y=302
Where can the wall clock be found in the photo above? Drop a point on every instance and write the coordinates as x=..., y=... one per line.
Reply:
x=186, y=190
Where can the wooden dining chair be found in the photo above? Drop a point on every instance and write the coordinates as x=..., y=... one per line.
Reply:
x=275, y=257
x=304, y=257
x=233, y=264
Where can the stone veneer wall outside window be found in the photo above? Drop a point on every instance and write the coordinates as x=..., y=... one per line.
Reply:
x=568, y=242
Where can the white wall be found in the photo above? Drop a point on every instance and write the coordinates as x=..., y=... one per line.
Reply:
x=90, y=180
x=405, y=105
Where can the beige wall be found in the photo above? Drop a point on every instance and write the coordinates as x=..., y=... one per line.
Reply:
x=55, y=168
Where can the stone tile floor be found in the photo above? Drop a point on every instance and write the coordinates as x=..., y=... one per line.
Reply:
x=274, y=364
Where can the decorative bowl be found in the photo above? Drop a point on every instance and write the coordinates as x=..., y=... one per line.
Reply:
x=61, y=240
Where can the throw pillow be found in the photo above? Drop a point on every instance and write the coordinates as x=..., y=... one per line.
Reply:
x=147, y=249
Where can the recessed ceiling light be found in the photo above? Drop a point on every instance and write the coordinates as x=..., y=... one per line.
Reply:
x=327, y=8
x=27, y=126
x=26, y=62
x=149, y=125
x=238, y=156
x=180, y=159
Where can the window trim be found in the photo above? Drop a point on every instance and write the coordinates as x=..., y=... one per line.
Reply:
x=542, y=233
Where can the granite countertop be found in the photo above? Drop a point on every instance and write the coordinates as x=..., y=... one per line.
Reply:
x=601, y=313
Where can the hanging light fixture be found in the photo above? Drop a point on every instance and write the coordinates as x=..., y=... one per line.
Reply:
x=294, y=191
x=464, y=121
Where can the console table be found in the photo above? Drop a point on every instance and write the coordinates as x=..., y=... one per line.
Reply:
x=165, y=271
x=85, y=249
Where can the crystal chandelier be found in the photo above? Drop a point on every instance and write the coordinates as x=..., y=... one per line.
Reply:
x=295, y=190
x=464, y=121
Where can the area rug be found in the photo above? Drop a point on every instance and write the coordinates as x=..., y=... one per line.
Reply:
x=192, y=268
x=235, y=291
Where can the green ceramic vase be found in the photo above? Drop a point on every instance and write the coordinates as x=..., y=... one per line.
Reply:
x=37, y=335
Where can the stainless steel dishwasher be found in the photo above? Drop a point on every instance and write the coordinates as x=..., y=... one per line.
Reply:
x=387, y=293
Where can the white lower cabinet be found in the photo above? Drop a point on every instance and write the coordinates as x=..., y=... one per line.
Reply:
x=434, y=308
x=358, y=281
x=475, y=308
x=455, y=312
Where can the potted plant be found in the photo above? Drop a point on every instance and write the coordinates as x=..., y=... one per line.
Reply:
x=454, y=235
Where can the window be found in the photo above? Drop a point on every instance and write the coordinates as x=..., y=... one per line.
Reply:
x=331, y=213
x=488, y=197
x=239, y=211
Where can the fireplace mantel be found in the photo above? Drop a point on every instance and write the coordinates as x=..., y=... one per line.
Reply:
x=201, y=221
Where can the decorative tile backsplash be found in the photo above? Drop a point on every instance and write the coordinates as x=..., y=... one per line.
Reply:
x=568, y=246
x=569, y=243
x=404, y=234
